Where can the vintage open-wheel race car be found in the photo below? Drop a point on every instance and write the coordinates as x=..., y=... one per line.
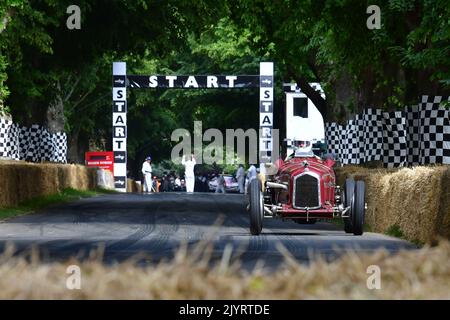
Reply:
x=303, y=188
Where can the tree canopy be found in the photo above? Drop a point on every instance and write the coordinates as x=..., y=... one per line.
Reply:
x=61, y=78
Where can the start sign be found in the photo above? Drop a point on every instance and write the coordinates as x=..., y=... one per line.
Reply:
x=122, y=81
x=102, y=159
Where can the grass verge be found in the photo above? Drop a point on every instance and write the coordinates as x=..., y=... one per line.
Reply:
x=397, y=232
x=339, y=222
x=41, y=202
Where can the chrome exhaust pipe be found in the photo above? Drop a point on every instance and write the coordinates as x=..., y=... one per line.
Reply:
x=276, y=185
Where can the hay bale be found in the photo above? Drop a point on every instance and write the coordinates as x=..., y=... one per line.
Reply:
x=9, y=186
x=414, y=199
x=105, y=179
x=133, y=186
x=408, y=199
x=139, y=186
x=21, y=181
x=443, y=220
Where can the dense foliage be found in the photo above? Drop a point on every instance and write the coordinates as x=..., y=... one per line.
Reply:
x=62, y=78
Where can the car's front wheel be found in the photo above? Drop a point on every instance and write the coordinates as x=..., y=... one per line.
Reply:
x=349, y=190
x=256, y=207
x=359, y=208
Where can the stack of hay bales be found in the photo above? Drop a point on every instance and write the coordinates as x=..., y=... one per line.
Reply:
x=417, y=200
x=21, y=181
x=105, y=179
x=133, y=186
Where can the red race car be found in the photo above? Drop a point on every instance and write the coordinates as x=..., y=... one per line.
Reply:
x=303, y=188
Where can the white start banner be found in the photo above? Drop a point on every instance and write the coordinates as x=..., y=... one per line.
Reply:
x=121, y=81
x=266, y=111
x=119, y=95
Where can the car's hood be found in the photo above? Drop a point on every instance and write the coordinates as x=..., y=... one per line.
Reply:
x=297, y=166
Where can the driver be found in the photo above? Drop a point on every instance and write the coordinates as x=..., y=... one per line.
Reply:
x=303, y=148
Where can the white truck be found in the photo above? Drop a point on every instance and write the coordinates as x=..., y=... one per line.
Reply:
x=304, y=122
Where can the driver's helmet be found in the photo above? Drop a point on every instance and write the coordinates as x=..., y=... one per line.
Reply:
x=303, y=148
x=302, y=144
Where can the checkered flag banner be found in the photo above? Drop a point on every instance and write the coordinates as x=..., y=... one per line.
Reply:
x=333, y=134
x=8, y=139
x=373, y=135
x=353, y=141
x=33, y=143
x=419, y=134
x=435, y=130
x=394, y=139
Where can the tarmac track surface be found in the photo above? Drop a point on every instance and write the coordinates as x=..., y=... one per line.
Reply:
x=155, y=226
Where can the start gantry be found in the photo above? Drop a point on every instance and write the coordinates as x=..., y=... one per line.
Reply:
x=193, y=81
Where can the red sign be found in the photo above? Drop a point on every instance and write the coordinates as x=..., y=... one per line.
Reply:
x=101, y=159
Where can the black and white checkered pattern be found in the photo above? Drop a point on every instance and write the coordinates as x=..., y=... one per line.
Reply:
x=32, y=144
x=373, y=135
x=4, y=129
x=434, y=130
x=333, y=134
x=417, y=135
x=413, y=137
x=59, y=140
x=394, y=139
x=13, y=142
x=46, y=146
x=354, y=141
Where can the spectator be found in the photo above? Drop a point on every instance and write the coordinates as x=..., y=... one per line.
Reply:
x=155, y=184
x=250, y=176
x=251, y=173
x=240, y=176
x=177, y=184
x=189, y=172
x=147, y=172
x=220, y=188
x=165, y=183
x=204, y=183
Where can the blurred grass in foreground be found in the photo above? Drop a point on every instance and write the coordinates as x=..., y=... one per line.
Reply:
x=414, y=274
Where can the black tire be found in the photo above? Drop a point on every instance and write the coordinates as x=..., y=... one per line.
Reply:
x=359, y=208
x=349, y=190
x=256, y=207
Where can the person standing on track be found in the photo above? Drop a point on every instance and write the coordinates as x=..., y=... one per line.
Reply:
x=147, y=172
x=189, y=172
x=252, y=174
x=240, y=176
x=220, y=188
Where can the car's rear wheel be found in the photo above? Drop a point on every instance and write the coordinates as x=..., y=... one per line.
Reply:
x=256, y=207
x=359, y=208
x=349, y=190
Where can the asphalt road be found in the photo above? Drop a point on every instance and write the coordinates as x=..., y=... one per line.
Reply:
x=128, y=224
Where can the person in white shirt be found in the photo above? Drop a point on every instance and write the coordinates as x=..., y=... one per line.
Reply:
x=177, y=183
x=250, y=176
x=251, y=173
x=189, y=172
x=240, y=176
x=147, y=172
x=220, y=188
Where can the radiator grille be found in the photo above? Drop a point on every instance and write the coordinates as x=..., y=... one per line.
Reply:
x=306, y=192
